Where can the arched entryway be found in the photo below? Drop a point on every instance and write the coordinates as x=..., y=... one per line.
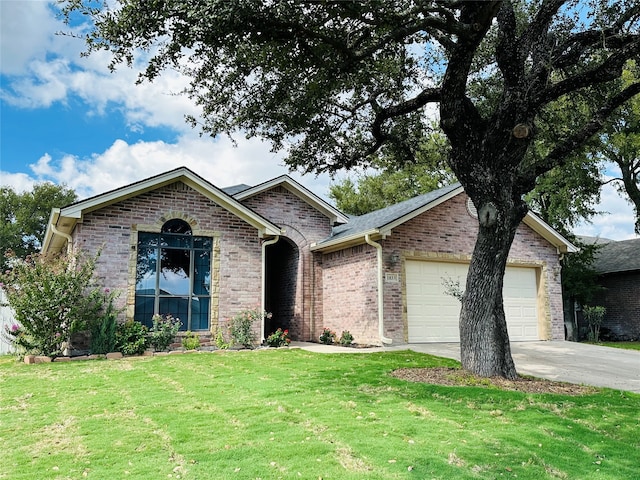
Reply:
x=282, y=260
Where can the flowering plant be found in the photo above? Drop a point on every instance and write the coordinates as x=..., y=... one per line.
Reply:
x=241, y=328
x=163, y=331
x=279, y=338
x=328, y=336
x=51, y=299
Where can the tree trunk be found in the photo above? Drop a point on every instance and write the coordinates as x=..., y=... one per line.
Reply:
x=630, y=180
x=484, y=341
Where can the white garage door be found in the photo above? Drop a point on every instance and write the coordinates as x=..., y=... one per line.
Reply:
x=433, y=315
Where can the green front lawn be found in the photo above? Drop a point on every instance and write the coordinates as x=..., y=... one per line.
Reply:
x=293, y=414
x=625, y=345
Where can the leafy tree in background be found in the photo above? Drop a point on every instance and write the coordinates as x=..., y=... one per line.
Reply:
x=25, y=216
x=620, y=143
x=339, y=83
x=390, y=183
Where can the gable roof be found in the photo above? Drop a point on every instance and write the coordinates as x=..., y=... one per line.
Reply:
x=289, y=184
x=616, y=257
x=381, y=222
x=63, y=220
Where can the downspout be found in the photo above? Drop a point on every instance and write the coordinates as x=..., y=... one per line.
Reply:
x=265, y=244
x=378, y=248
x=65, y=235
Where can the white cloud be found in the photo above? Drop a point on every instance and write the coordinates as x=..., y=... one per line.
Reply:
x=24, y=28
x=44, y=67
x=616, y=220
x=121, y=164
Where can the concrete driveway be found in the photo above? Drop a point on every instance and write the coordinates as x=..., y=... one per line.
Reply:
x=571, y=362
x=563, y=361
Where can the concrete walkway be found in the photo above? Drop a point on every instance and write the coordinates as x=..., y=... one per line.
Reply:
x=560, y=361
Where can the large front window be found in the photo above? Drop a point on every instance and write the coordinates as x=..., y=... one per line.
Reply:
x=173, y=276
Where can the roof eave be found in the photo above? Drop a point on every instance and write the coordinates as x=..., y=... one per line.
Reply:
x=548, y=233
x=58, y=224
x=328, y=246
x=264, y=227
x=334, y=215
x=388, y=227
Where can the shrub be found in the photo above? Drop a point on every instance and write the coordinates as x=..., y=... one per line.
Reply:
x=242, y=331
x=279, y=338
x=594, y=317
x=163, y=331
x=131, y=337
x=103, y=325
x=327, y=337
x=51, y=298
x=191, y=340
x=346, y=338
x=221, y=343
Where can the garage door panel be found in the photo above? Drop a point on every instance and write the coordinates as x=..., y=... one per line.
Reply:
x=433, y=314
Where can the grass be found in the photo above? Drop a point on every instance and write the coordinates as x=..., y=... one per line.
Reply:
x=625, y=345
x=294, y=414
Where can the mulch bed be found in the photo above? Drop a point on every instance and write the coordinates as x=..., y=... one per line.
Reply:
x=459, y=377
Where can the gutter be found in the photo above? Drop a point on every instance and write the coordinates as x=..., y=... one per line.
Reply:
x=378, y=248
x=265, y=244
x=65, y=235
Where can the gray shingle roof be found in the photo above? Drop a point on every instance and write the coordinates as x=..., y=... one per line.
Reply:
x=380, y=218
x=593, y=240
x=235, y=189
x=621, y=256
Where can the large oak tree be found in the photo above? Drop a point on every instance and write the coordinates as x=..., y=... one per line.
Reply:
x=339, y=81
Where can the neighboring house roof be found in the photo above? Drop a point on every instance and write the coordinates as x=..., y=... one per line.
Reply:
x=234, y=189
x=288, y=183
x=381, y=222
x=616, y=257
x=587, y=240
x=63, y=220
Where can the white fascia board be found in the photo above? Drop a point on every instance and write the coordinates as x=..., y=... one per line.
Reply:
x=265, y=227
x=185, y=175
x=335, y=215
x=344, y=242
x=78, y=209
x=48, y=234
x=541, y=227
x=52, y=241
x=405, y=218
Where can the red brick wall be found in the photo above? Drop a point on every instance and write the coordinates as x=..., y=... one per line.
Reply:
x=350, y=293
x=303, y=225
x=446, y=232
x=112, y=227
x=622, y=301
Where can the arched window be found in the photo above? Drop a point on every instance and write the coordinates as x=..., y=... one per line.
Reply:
x=173, y=276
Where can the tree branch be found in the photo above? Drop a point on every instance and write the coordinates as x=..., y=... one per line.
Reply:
x=565, y=147
x=606, y=71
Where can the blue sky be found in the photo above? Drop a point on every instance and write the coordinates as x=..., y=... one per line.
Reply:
x=66, y=119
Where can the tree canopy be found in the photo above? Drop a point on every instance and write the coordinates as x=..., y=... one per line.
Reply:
x=339, y=82
x=391, y=180
x=25, y=216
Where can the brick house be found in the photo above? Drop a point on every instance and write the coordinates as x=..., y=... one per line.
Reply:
x=175, y=243
x=618, y=266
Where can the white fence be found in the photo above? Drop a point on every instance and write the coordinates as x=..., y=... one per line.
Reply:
x=6, y=318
